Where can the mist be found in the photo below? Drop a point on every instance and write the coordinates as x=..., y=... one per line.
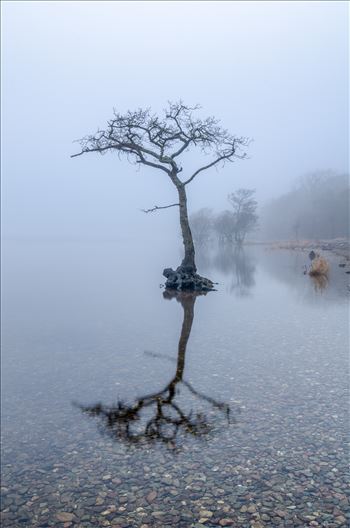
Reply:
x=274, y=72
x=175, y=315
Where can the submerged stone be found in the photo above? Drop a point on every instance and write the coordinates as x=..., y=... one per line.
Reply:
x=65, y=517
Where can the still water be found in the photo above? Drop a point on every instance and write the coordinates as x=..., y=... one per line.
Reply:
x=123, y=406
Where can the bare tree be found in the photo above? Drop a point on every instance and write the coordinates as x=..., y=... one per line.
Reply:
x=244, y=209
x=224, y=225
x=201, y=226
x=158, y=142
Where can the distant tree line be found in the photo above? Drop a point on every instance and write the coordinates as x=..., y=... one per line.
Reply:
x=316, y=208
x=229, y=226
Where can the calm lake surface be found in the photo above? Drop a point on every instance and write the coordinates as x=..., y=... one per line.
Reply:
x=124, y=408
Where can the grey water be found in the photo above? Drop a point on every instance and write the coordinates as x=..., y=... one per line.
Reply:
x=123, y=406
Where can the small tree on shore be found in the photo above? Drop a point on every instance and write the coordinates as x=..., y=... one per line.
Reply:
x=244, y=210
x=158, y=142
x=201, y=226
x=224, y=225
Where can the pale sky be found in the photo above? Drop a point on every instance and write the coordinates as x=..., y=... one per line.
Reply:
x=274, y=71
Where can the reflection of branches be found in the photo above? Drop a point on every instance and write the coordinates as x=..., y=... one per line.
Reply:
x=160, y=416
x=160, y=356
x=237, y=262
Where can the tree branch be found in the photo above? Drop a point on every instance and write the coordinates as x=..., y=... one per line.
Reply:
x=151, y=164
x=156, y=207
x=127, y=148
x=159, y=141
x=100, y=149
x=182, y=148
x=220, y=158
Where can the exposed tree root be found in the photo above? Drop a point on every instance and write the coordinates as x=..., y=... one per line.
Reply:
x=186, y=280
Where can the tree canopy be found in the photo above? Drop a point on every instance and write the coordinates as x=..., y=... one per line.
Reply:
x=145, y=138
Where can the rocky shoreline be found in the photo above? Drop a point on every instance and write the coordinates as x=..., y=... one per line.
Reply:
x=338, y=246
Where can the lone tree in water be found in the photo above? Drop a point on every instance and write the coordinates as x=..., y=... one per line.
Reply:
x=156, y=142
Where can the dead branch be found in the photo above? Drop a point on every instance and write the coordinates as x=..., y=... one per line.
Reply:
x=156, y=207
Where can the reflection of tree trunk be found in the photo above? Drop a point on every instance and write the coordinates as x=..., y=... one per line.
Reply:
x=165, y=416
x=188, y=306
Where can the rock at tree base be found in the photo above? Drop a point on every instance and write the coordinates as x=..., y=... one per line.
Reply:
x=184, y=280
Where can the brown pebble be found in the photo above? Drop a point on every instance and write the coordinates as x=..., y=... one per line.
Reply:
x=340, y=519
x=65, y=516
x=226, y=522
x=151, y=496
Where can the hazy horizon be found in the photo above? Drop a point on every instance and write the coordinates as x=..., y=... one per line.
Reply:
x=275, y=72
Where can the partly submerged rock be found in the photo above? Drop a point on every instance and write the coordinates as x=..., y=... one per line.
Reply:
x=185, y=280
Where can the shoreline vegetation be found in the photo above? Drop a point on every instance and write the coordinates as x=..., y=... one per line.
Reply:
x=337, y=246
x=331, y=253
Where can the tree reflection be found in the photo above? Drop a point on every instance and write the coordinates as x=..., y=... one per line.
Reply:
x=236, y=262
x=161, y=416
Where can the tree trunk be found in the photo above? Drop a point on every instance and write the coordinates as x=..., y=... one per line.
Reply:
x=185, y=278
x=188, y=262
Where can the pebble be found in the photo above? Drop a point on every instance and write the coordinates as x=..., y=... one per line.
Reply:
x=226, y=522
x=251, y=509
x=280, y=462
x=65, y=517
x=152, y=495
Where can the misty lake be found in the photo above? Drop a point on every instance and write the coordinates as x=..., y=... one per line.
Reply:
x=125, y=407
